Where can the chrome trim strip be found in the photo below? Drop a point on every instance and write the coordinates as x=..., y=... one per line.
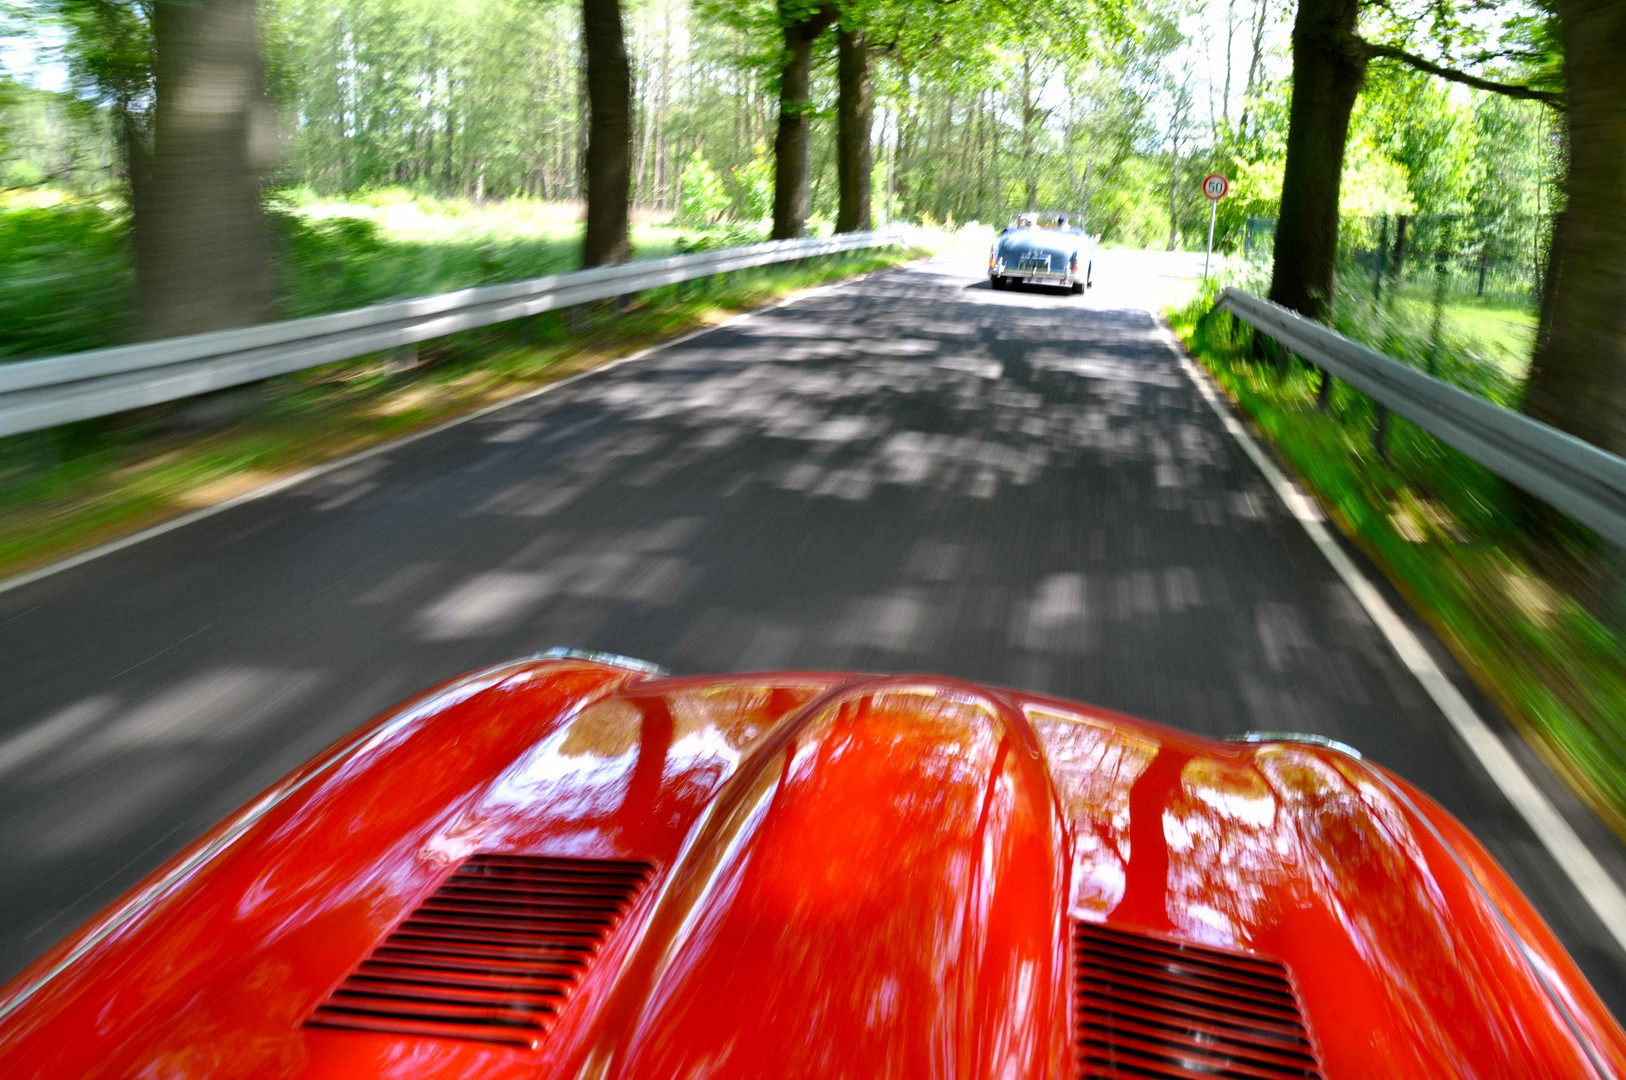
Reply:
x=1296, y=737
x=562, y=652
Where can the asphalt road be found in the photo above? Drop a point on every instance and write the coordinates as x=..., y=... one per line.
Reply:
x=911, y=472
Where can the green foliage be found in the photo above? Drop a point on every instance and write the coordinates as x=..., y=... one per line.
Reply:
x=704, y=198
x=53, y=139
x=1110, y=107
x=108, y=49
x=1444, y=530
x=982, y=105
x=67, y=489
x=753, y=184
x=66, y=279
x=476, y=98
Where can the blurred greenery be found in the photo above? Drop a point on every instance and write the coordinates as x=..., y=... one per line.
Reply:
x=66, y=281
x=1447, y=533
x=981, y=108
x=74, y=486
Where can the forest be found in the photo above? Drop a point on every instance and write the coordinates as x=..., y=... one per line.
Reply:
x=181, y=154
x=967, y=111
x=1113, y=114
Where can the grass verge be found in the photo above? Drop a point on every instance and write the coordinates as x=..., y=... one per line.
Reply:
x=71, y=488
x=67, y=276
x=1445, y=531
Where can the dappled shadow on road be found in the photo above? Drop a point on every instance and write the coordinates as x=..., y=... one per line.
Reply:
x=1015, y=487
x=1011, y=486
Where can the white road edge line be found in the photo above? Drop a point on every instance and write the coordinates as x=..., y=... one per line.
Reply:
x=286, y=482
x=1585, y=872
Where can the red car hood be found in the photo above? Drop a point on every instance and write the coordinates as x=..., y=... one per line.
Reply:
x=815, y=875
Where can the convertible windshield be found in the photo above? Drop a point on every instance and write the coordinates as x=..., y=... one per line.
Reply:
x=1045, y=219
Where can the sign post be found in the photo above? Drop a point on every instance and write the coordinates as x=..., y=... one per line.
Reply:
x=1214, y=187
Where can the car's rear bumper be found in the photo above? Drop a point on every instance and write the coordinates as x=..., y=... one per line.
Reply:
x=1033, y=277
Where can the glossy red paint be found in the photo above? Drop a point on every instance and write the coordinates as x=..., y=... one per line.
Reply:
x=852, y=876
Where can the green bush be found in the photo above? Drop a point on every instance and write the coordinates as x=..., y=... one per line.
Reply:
x=66, y=278
x=755, y=182
x=1448, y=533
x=705, y=198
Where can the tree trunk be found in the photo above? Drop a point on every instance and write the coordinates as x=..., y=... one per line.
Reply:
x=609, y=134
x=1174, y=183
x=790, y=144
x=1329, y=65
x=645, y=128
x=203, y=252
x=1253, y=70
x=1230, y=39
x=135, y=149
x=1030, y=112
x=1578, y=376
x=854, y=113
x=449, y=166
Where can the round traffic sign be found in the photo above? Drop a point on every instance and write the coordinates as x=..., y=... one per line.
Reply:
x=1215, y=186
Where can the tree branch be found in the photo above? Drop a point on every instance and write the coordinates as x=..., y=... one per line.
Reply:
x=1513, y=90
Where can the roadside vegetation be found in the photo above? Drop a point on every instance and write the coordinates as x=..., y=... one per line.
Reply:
x=72, y=487
x=67, y=280
x=1519, y=612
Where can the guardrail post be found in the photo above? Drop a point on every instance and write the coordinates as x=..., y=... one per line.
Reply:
x=1380, y=261
x=1397, y=254
x=1615, y=572
x=1323, y=393
x=1380, y=434
x=402, y=360
x=1440, y=256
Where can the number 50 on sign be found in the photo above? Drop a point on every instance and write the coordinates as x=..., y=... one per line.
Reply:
x=1214, y=186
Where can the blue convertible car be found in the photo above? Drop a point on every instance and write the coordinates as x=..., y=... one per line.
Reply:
x=1042, y=249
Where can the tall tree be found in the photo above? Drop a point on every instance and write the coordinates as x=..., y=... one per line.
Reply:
x=1180, y=105
x=1578, y=377
x=1329, y=65
x=802, y=23
x=609, y=134
x=855, y=109
x=1254, y=56
x=184, y=86
x=205, y=255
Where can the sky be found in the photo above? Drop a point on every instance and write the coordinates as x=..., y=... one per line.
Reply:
x=32, y=59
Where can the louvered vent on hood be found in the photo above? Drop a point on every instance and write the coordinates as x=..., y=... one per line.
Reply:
x=492, y=955
x=1149, y=1008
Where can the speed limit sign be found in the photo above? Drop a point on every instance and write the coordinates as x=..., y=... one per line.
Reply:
x=1214, y=186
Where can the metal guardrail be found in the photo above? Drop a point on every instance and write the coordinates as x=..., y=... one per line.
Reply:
x=36, y=394
x=1583, y=481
